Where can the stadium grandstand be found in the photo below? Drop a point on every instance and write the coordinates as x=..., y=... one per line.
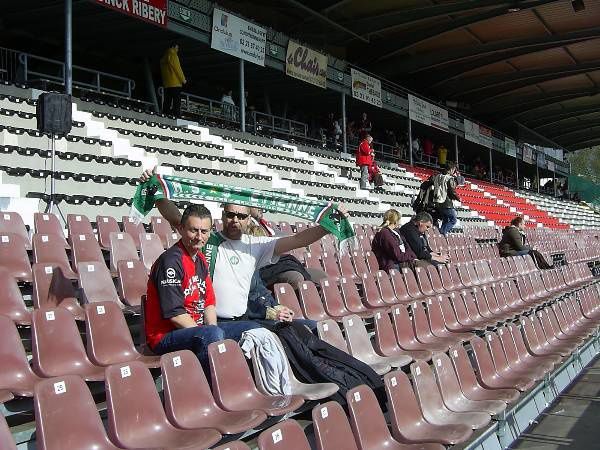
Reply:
x=207, y=103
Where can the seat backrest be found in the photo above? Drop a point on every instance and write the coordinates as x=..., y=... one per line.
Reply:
x=386, y=291
x=436, y=280
x=48, y=248
x=6, y=439
x=85, y=247
x=50, y=286
x=162, y=228
x=332, y=298
x=366, y=419
x=150, y=248
x=284, y=435
x=330, y=332
x=399, y=286
x=405, y=411
x=312, y=261
x=371, y=292
x=56, y=345
x=357, y=337
x=230, y=375
x=412, y=287
x=12, y=223
x=332, y=429
x=14, y=365
x=371, y=261
x=133, y=281
x=106, y=225
x=483, y=358
x=13, y=256
x=11, y=302
x=346, y=267
x=423, y=281
x=96, y=282
x=351, y=296
x=107, y=334
x=360, y=264
x=310, y=301
x=65, y=413
x=133, y=229
x=172, y=239
x=47, y=223
x=286, y=296
x=330, y=264
x=462, y=366
x=385, y=340
x=78, y=224
x=122, y=248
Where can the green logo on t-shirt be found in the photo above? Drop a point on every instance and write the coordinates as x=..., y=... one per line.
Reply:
x=234, y=260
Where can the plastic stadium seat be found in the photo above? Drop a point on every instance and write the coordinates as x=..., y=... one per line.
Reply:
x=536, y=340
x=5, y=396
x=424, y=282
x=96, y=283
x=234, y=445
x=352, y=298
x=11, y=302
x=432, y=405
x=436, y=281
x=360, y=264
x=516, y=359
x=150, y=249
x=405, y=332
x=469, y=383
x=47, y=223
x=332, y=299
x=233, y=387
x=360, y=347
x=452, y=395
x=332, y=429
x=78, y=224
x=57, y=349
x=330, y=264
x=133, y=229
x=423, y=330
x=51, y=289
x=48, y=249
x=85, y=247
x=133, y=282
x=369, y=424
x=16, y=376
x=406, y=417
x=12, y=223
x=287, y=434
x=371, y=261
x=440, y=324
x=312, y=261
x=384, y=285
x=136, y=418
x=196, y=408
x=160, y=226
x=346, y=267
x=372, y=298
x=487, y=373
x=122, y=248
x=66, y=416
x=106, y=225
x=108, y=338
x=285, y=295
x=330, y=332
x=6, y=439
x=385, y=340
x=310, y=301
x=399, y=286
x=14, y=258
x=412, y=287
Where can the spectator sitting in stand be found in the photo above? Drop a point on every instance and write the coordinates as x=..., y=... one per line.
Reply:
x=364, y=126
x=479, y=169
x=414, y=234
x=513, y=243
x=417, y=150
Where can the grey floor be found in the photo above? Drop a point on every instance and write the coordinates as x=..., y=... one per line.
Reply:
x=573, y=422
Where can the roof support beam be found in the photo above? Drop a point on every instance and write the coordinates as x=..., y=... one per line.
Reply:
x=558, y=132
x=394, y=46
x=326, y=19
x=474, y=56
x=552, y=119
x=585, y=144
x=583, y=127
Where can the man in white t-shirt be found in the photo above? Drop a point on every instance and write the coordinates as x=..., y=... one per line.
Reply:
x=234, y=256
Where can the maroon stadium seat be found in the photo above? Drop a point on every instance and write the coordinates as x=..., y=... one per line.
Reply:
x=122, y=248
x=133, y=282
x=333, y=302
x=310, y=301
x=162, y=228
x=48, y=249
x=12, y=223
x=332, y=429
x=133, y=229
x=11, y=302
x=385, y=342
x=330, y=332
x=106, y=225
x=47, y=223
x=285, y=295
x=96, y=283
x=78, y=224
x=284, y=435
x=352, y=299
x=51, y=289
x=150, y=249
x=14, y=258
x=85, y=248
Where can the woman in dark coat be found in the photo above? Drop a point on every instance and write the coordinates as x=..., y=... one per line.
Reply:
x=389, y=247
x=513, y=243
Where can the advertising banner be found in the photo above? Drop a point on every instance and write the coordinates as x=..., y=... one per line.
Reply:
x=527, y=154
x=418, y=109
x=366, y=88
x=510, y=147
x=485, y=136
x=551, y=166
x=439, y=117
x=238, y=37
x=152, y=11
x=306, y=64
x=471, y=131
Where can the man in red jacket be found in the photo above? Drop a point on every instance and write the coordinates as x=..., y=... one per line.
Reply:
x=365, y=156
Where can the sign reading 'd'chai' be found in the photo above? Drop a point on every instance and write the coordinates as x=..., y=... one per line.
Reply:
x=152, y=11
x=306, y=64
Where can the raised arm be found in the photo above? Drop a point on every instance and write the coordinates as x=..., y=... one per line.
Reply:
x=167, y=208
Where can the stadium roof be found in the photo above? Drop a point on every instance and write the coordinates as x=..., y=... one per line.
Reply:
x=536, y=62
x=531, y=62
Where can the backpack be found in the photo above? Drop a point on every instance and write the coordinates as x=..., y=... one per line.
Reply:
x=422, y=201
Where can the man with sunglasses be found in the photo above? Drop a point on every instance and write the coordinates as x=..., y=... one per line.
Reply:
x=234, y=256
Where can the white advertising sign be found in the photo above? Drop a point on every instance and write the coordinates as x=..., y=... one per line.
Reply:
x=551, y=166
x=527, y=154
x=366, y=88
x=418, y=110
x=238, y=37
x=439, y=117
x=471, y=131
x=510, y=147
x=306, y=64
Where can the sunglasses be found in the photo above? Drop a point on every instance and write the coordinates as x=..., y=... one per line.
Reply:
x=241, y=216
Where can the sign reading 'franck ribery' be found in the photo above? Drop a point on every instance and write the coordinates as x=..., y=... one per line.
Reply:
x=153, y=11
x=238, y=37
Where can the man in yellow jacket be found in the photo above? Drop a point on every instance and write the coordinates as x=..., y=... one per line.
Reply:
x=173, y=79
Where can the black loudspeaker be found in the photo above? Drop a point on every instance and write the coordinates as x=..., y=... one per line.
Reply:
x=54, y=113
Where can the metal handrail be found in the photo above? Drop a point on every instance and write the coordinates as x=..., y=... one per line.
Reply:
x=278, y=124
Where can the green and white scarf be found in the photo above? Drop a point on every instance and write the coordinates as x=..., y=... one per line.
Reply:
x=175, y=188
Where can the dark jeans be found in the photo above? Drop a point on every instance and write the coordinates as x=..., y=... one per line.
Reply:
x=172, y=101
x=448, y=216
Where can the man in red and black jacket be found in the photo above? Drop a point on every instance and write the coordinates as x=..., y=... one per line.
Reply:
x=180, y=308
x=365, y=157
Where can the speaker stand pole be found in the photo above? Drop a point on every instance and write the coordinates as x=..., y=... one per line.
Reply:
x=52, y=206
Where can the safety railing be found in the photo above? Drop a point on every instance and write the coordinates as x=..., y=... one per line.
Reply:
x=262, y=121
